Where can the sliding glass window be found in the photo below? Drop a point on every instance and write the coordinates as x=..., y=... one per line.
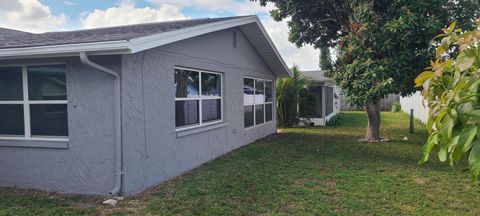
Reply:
x=33, y=102
x=257, y=101
x=198, y=98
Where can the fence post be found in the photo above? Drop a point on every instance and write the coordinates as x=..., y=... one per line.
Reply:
x=411, y=121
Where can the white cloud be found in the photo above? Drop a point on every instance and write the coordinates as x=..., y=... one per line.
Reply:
x=242, y=7
x=70, y=3
x=29, y=15
x=305, y=57
x=127, y=13
x=32, y=15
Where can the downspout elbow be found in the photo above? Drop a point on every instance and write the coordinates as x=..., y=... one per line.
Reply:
x=118, y=121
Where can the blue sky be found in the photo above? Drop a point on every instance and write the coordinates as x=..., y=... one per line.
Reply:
x=58, y=15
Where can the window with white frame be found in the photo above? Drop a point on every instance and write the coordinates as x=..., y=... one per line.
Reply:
x=33, y=102
x=257, y=101
x=198, y=97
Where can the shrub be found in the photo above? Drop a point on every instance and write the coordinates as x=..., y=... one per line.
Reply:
x=396, y=107
x=451, y=87
x=289, y=95
x=334, y=120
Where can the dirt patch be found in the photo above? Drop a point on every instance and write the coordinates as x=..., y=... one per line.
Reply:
x=287, y=206
x=300, y=182
x=71, y=198
x=330, y=184
x=268, y=138
x=421, y=180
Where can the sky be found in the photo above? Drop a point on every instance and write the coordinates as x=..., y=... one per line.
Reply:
x=59, y=15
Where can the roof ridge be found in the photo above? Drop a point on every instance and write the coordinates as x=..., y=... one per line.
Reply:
x=14, y=30
x=151, y=23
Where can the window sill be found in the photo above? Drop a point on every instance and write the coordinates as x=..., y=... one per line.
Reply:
x=190, y=131
x=34, y=143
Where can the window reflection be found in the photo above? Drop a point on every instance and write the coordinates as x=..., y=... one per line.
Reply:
x=47, y=82
x=186, y=83
x=259, y=92
x=11, y=119
x=49, y=119
x=211, y=110
x=248, y=92
x=211, y=84
x=11, y=84
x=186, y=113
x=268, y=91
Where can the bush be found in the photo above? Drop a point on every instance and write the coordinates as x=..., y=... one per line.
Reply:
x=396, y=107
x=290, y=92
x=334, y=120
x=452, y=87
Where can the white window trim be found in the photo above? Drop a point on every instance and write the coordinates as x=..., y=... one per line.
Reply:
x=26, y=107
x=200, y=98
x=263, y=104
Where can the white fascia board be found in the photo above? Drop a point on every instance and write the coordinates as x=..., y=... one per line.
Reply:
x=137, y=44
x=151, y=41
x=284, y=65
x=121, y=46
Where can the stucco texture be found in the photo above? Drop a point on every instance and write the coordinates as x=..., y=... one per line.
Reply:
x=86, y=166
x=153, y=150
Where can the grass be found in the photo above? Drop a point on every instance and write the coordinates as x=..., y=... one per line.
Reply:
x=301, y=171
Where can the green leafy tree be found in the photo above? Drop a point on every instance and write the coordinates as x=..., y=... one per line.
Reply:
x=451, y=86
x=288, y=97
x=325, y=59
x=382, y=44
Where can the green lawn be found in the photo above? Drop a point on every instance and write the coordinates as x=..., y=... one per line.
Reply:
x=303, y=171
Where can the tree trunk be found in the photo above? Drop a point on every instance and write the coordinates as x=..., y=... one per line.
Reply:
x=373, y=129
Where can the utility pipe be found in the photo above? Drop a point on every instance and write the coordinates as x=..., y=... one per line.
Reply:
x=117, y=121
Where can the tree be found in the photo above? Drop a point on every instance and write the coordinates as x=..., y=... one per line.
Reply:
x=451, y=86
x=325, y=59
x=288, y=97
x=382, y=44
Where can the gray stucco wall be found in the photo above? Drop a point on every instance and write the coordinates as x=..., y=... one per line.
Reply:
x=153, y=150
x=86, y=166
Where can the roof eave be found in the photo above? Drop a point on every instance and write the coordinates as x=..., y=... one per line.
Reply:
x=96, y=48
x=285, y=71
x=276, y=64
x=156, y=40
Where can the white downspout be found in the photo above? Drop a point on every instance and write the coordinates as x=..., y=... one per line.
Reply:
x=117, y=121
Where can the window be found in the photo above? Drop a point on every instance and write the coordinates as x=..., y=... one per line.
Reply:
x=257, y=101
x=33, y=102
x=198, y=97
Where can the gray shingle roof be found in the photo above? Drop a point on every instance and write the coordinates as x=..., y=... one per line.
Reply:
x=4, y=32
x=316, y=76
x=17, y=39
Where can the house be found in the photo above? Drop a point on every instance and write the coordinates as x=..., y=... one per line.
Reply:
x=118, y=110
x=324, y=102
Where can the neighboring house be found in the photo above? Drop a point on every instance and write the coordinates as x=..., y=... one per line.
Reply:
x=121, y=109
x=326, y=100
x=418, y=104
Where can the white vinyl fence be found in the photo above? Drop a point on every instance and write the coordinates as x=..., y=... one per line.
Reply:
x=418, y=104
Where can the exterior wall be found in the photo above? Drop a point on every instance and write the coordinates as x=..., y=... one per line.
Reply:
x=86, y=165
x=154, y=151
x=336, y=106
x=418, y=104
